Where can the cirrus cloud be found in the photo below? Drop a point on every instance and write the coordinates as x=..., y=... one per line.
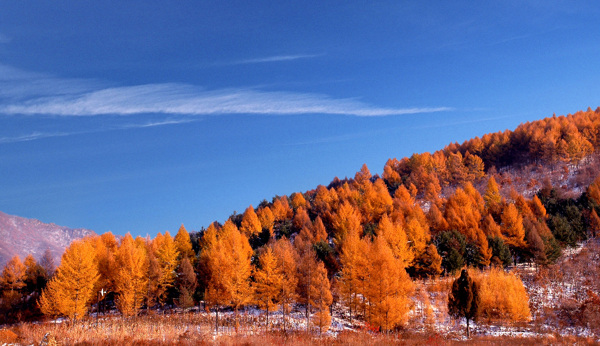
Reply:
x=183, y=99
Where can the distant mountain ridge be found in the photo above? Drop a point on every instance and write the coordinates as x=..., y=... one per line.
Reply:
x=22, y=236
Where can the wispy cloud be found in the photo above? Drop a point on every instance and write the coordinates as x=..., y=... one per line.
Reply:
x=181, y=99
x=35, y=135
x=276, y=58
x=27, y=93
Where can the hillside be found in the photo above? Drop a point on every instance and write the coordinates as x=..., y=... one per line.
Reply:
x=374, y=254
x=22, y=236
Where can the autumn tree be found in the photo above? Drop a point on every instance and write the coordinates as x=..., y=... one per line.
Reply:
x=35, y=275
x=167, y=256
x=186, y=284
x=389, y=287
x=131, y=279
x=309, y=279
x=13, y=275
x=154, y=288
x=281, y=209
x=268, y=278
x=72, y=288
x=301, y=219
x=320, y=297
x=12, y=282
x=206, y=249
x=428, y=264
x=298, y=201
x=463, y=300
x=184, y=245
x=266, y=218
x=105, y=248
x=501, y=296
x=251, y=225
x=353, y=276
x=512, y=226
x=230, y=264
x=345, y=220
x=395, y=236
x=287, y=264
x=492, y=196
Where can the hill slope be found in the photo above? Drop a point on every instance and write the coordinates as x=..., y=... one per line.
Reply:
x=22, y=236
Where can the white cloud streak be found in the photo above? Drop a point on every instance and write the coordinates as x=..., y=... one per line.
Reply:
x=180, y=99
x=276, y=58
x=41, y=135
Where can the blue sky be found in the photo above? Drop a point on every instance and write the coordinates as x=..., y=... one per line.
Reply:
x=139, y=116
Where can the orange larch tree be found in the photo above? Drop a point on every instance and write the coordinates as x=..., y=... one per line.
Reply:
x=266, y=218
x=346, y=219
x=287, y=262
x=389, y=287
x=512, y=229
x=131, y=279
x=251, y=225
x=167, y=256
x=353, y=259
x=184, y=245
x=267, y=282
x=71, y=290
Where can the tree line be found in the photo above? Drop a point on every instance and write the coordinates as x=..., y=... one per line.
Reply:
x=360, y=242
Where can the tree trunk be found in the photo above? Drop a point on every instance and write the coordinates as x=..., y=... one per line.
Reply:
x=235, y=318
x=468, y=332
x=217, y=319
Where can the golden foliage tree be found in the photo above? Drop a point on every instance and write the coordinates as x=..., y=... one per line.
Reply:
x=490, y=227
x=268, y=278
x=167, y=257
x=429, y=263
x=266, y=218
x=319, y=230
x=345, y=220
x=320, y=297
x=353, y=275
x=492, y=193
x=301, y=219
x=72, y=288
x=436, y=220
x=298, y=201
x=287, y=262
x=512, y=228
x=230, y=264
x=502, y=296
x=35, y=275
x=186, y=284
x=105, y=247
x=537, y=208
x=251, y=225
x=154, y=288
x=13, y=275
x=131, y=278
x=389, y=287
x=397, y=240
x=184, y=245
x=593, y=191
x=281, y=209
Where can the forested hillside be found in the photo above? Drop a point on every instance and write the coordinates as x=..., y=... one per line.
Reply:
x=363, y=248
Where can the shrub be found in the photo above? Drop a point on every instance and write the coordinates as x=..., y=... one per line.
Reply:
x=502, y=296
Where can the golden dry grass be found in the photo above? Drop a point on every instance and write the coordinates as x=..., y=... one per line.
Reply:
x=196, y=330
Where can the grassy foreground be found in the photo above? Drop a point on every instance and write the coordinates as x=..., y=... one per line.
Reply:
x=195, y=329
